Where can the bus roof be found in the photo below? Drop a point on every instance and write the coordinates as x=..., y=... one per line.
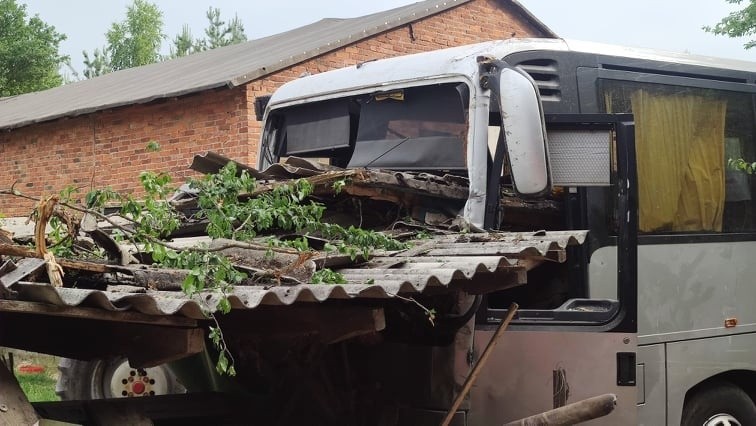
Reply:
x=455, y=62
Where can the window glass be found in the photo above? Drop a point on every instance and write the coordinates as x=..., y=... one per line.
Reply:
x=416, y=128
x=312, y=129
x=684, y=138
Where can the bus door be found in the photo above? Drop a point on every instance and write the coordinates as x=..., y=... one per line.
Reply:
x=563, y=345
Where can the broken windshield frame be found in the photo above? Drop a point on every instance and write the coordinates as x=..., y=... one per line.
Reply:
x=420, y=128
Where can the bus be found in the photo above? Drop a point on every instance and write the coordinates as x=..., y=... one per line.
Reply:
x=631, y=145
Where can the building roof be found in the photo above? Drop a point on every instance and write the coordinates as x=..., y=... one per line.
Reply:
x=223, y=67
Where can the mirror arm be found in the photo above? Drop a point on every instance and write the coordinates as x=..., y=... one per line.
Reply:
x=489, y=79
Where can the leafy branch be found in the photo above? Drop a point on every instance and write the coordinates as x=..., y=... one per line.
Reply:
x=741, y=165
x=230, y=214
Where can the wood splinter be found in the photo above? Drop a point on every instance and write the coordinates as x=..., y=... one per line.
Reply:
x=45, y=210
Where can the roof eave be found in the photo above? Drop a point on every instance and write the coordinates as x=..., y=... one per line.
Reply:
x=140, y=101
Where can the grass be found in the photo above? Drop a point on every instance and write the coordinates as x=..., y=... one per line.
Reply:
x=38, y=386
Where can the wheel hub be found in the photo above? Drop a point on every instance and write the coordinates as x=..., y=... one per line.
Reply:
x=722, y=420
x=125, y=381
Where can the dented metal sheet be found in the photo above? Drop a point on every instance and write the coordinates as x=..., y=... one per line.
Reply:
x=439, y=263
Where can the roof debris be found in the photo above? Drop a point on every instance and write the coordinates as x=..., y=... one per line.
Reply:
x=417, y=207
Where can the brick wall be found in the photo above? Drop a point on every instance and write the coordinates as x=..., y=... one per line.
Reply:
x=108, y=148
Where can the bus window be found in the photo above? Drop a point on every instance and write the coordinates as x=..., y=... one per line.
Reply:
x=684, y=137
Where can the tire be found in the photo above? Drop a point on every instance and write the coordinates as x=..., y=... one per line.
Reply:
x=721, y=404
x=112, y=378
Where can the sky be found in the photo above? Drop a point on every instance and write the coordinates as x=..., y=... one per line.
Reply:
x=662, y=24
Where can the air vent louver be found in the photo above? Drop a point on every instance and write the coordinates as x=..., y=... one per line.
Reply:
x=546, y=75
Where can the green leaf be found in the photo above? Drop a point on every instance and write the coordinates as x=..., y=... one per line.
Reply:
x=327, y=276
x=29, y=51
x=224, y=305
x=215, y=335
x=222, y=365
x=152, y=146
x=158, y=253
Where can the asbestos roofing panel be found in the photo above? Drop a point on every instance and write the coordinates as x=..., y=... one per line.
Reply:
x=385, y=276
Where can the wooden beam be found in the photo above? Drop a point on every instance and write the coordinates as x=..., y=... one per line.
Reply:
x=188, y=408
x=84, y=338
x=24, y=268
x=21, y=251
x=15, y=408
x=577, y=412
x=36, y=308
x=331, y=323
x=111, y=414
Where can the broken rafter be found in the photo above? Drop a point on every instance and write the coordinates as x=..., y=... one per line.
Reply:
x=21, y=251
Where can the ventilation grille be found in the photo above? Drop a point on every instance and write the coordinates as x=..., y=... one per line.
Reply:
x=546, y=75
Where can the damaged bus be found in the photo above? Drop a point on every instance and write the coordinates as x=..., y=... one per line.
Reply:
x=549, y=136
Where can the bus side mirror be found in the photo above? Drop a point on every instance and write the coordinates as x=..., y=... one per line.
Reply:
x=522, y=125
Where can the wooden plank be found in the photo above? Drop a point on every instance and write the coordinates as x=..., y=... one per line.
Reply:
x=188, y=408
x=145, y=345
x=15, y=408
x=24, y=268
x=35, y=308
x=577, y=412
x=21, y=251
x=409, y=183
x=331, y=323
x=5, y=268
x=109, y=414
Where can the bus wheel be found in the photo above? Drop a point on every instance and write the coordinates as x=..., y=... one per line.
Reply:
x=112, y=378
x=721, y=404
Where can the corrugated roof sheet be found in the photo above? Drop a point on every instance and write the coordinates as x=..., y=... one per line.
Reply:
x=228, y=66
x=458, y=260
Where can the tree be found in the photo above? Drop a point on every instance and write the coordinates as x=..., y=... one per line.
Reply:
x=133, y=42
x=98, y=65
x=136, y=41
x=183, y=44
x=221, y=34
x=217, y=34
x=741, y=23
x=29, y=51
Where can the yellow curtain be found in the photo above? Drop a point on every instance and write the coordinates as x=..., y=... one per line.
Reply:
x=680, y=150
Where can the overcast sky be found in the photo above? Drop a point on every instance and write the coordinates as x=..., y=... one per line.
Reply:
x=665, y=24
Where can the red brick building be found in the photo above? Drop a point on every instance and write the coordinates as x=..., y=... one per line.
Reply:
x=95, y=132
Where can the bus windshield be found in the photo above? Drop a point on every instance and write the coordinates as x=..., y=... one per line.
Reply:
x=416, y=128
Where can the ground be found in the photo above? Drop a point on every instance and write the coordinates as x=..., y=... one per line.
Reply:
x=37, y=373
